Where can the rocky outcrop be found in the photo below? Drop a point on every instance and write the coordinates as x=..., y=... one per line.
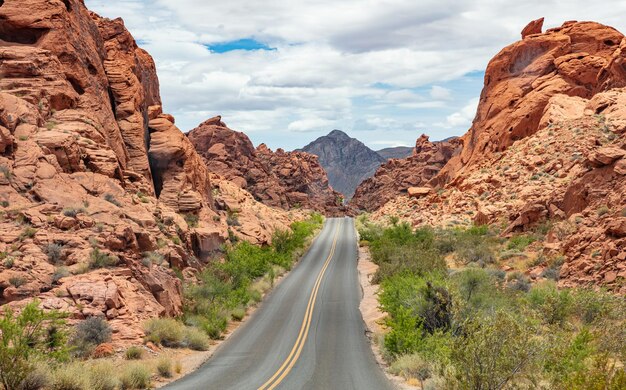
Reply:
x=577, y=59
x=101, y=196
x=568, y=176
x=281, y=179
x=397, y=176
x=347, y=161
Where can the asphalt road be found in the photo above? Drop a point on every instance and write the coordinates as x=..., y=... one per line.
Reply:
x=307, y=334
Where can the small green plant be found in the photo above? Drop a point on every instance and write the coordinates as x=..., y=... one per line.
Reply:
x=4, y=203
x=153, y=258
x=88, y=334
x=27, y=336
x=196, y=339
x=23, y=138
x=59, y=273
x=29, y=232
x=238, y=313
x=192, y=220
x=111, y=199
x=165, y=331
x=142, y=197
x=98, y=259
x=135, y=376
x=134, y=353
x=6, y=172
x=73, y=211
x=603, y=210
x=17, y=281
x=164, y=367
x=50, y=125
x=54, y=252
x=9, y=262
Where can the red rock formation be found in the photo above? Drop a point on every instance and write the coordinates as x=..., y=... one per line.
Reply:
x=576, y=59
x=91, y=171
x=280, y=179
x=534, y=27
x=398, y=175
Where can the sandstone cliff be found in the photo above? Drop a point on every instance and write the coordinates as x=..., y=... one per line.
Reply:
x=547, y=147
x=280, y=179
x=398, y=175
x=95, y=179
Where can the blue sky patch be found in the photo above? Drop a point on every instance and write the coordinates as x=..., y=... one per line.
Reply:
x=240, y=44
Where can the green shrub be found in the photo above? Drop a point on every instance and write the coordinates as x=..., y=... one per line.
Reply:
x=17, y=281
x=98, y=259
x=412, y=366
x=134, y=353
x=70, y=377
x=154, y=258
x=520, y=242
x=54, y=252
x=195, y=339
x=29, y=232
x=165, y=331
x=60, y=272
x=111, y=199
x=135, y=376
x=164, y=367
x=72, y=211
x=103, y=376
x=39, y=378
x=88, y=334
x=554, y=305
x=192, y=220
x=493, y=352
x=238, y=313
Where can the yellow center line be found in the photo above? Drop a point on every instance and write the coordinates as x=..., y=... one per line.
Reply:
x=288, y=364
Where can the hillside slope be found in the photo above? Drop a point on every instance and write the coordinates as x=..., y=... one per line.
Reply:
x=101, y=195
x=546, y=152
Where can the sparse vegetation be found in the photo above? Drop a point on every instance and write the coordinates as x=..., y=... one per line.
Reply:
x=73, y=211
x=30, y=335
x=111, y=199
x=165, y=367
x=227, y=288
x=88, y=334
x=54, y=252
x=603, y=210
x=480, y=328
x=192, y=220
x=135, y=376
x=134, y=353
x=99, y=259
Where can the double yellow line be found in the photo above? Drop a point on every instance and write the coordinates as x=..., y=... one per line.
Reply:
x=291, y=360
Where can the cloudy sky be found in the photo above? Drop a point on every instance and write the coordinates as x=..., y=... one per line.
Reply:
x=288, y=71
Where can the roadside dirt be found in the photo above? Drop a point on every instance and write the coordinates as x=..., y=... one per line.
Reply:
x=373, y=316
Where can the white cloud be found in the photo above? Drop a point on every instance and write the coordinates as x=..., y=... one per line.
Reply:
x=440, y=93
x=463, y=118
x=337, y=63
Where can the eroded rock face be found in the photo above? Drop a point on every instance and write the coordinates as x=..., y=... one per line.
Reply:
x=568, y=175
x=93, y=175
x=576, y=59
x=280, y=179
x=396, y=177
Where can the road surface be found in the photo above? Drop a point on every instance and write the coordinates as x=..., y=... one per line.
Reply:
x=307, y=334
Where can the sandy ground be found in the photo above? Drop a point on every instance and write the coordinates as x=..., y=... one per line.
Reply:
x=372, y=315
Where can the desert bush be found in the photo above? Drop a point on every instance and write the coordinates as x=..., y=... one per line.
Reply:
x=554, y=305
x=238, y=313
x=54, y=252
x=520, y=242
x=165, y=331
x=72, y=211
x=135, y=376
x=59, y=273
x=103, y=376
x=164, y=367
x=111, y=199
x=70, y=377
x=134, y=353
x=492, y=352
x=192, y=220
x=98, y=259
x=17, y=281
x=154, y=258
x=39, y=378
x=412, y=366
x=88, y=334
x=25, y=337
x=195, y=339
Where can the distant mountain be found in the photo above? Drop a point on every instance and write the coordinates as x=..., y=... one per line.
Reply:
x=396, y=152
x=347, y=161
